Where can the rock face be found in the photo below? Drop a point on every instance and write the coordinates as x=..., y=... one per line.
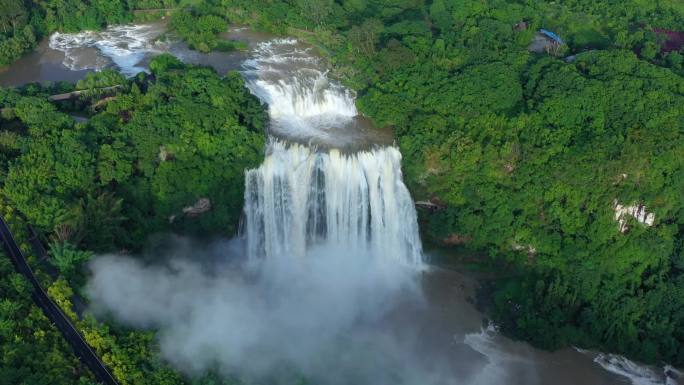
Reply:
x=165, y=154
x=521, y=26
x=636, y=211
x=456, y=240
x=201, y=206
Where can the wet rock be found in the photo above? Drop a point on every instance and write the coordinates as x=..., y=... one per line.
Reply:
x=456, y=240
x=201, y=206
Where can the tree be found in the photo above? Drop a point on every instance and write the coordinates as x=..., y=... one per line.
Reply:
x=12, y=14
x=67, y=258
x=365, y=37
x=316, y=11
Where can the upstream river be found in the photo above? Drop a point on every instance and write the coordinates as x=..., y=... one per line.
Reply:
x=331, y=183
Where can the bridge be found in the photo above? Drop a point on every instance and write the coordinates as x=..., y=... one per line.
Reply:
x=78, y=93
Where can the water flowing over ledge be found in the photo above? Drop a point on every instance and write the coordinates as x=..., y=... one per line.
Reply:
x=308, y=192
x=635, y=373
x=304, y=104
x=357, y=202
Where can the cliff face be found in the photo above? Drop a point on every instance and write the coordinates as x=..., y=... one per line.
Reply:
x=637, y=211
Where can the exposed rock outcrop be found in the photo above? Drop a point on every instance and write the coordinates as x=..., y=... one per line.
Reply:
x=456, y=240
x=637, y=211
x=201, y=206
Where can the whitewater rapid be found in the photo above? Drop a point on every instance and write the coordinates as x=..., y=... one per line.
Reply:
x=305, y=105
x=124, y=46
x=636, y=374
x=304, y=195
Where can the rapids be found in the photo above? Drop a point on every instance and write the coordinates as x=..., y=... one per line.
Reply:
x=304, y=103
x=125, y=46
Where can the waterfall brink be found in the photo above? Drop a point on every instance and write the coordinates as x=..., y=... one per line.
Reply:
x=304, y=104
x=299, y=198
x=303, y=196
x=294, y=83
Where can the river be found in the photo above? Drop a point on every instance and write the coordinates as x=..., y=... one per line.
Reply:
x=332, y=182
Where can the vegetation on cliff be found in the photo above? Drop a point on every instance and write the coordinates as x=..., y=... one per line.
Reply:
x=151, y=147
x=530, y=153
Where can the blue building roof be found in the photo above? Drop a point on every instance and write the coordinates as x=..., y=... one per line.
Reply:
x=552, y=35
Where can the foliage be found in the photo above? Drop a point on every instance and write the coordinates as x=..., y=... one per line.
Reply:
x=200, y=28
x=530, y=152
x=67, y=258
x=105, y=78
x=149, y=154
x=32, y=351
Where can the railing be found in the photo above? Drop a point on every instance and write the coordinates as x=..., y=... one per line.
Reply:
x=83, y=351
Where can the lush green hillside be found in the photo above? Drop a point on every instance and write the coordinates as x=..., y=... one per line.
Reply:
x=151, y=147
x=31, y=349
x=155, y=146
x=529, y=152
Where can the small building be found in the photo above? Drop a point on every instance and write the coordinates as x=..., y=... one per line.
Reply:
x=555, y=38
x=546, y=41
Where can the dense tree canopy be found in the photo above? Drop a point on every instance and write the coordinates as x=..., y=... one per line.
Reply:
x=140, y=159
x=530, y=152
x=151, y=147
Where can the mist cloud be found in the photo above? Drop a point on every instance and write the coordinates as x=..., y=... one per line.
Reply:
x=332, y=317
x=321, y=316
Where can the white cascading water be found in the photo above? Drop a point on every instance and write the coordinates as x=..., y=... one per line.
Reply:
x=302, y=196
x=123, y=45
x=303, y=102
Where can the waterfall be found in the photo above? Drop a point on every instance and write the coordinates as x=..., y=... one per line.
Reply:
x=299, y=197
x=303, y=196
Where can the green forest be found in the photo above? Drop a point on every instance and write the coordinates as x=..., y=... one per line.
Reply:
x=160, y=143
x=530, y=152
x=527, y=154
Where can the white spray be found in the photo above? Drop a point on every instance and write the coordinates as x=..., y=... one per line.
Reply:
x=355, y=202
x=300, y=196
x=123, y=45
